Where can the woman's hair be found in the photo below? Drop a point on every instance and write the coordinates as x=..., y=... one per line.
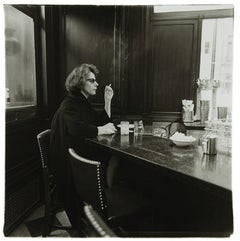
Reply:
x=77, y=77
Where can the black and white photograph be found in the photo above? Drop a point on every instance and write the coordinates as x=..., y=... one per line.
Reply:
x=119, y=119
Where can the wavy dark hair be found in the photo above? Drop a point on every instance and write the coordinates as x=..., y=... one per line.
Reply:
x=77, y=77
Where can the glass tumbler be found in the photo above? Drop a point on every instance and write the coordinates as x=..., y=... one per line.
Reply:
x=204, y=110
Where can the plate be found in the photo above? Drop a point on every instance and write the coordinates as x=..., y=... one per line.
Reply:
x=183, y=143
x=180, y=139
x=131, y=126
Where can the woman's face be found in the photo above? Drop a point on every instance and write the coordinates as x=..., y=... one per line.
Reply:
x=90, y=85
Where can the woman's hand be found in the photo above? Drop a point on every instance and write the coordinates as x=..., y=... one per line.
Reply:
x=107, y=129
x=108, y=93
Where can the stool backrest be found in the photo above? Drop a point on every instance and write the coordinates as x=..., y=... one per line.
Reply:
x=177, y=126
x=43, y=139
x=88, y=180
x=43, y=144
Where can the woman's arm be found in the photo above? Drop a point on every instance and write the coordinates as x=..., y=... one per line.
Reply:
x=78, y=126
x=105, y=116
x=108, y=95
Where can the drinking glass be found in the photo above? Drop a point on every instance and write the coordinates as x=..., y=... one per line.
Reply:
x=204, y=110
x=222, y=113
x=138, y=127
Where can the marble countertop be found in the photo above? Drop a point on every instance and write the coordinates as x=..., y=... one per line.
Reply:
x=188, y=163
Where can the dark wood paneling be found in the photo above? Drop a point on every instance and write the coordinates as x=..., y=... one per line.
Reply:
x=21, y=142
x=135, y=59
x=89, y=38
x=172, y=64
x=22, y=171
x=20, y=203
x=159, y=64
x=52, y=84
x=112, y=38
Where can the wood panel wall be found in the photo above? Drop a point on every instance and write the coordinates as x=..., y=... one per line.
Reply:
x=89, y=37
x=152, y=64
x=113, y=39
x=172, y=66
x=134, y=56
x=22, y=172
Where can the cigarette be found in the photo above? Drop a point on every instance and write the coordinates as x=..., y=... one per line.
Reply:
x=110, y=85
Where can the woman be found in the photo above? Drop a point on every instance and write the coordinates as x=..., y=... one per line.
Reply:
x=74, y=121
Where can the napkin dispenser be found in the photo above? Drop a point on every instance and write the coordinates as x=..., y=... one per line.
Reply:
x=187, y=116
x=187, y=111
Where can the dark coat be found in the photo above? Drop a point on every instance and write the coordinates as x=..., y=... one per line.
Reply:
x=74, y=121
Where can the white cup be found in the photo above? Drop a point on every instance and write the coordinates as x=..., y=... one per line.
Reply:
x=124, y=128
x=135, y=127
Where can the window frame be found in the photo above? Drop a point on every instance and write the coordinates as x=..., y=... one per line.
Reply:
x=37, y=110
x=203, y=14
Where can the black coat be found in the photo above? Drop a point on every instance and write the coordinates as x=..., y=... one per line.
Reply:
x=74, y=121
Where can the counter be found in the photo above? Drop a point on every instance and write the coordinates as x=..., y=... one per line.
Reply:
x=191, y=191
x=189, y=164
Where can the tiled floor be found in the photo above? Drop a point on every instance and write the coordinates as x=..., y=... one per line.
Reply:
x=22, y=230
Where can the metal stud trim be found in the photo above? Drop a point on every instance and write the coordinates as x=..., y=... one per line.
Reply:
x=100, y=188
x=94, y=222
x=39, y=137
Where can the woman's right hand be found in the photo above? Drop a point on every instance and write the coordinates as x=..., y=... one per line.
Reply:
x=107, y=129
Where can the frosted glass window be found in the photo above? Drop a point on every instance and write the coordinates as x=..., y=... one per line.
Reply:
x=20, y=60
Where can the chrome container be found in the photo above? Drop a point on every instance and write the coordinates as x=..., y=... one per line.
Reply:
x=209, y=145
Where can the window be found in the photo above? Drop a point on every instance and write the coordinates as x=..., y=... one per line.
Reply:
x=216, y=65
x=187, y=8
x=21, y=98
